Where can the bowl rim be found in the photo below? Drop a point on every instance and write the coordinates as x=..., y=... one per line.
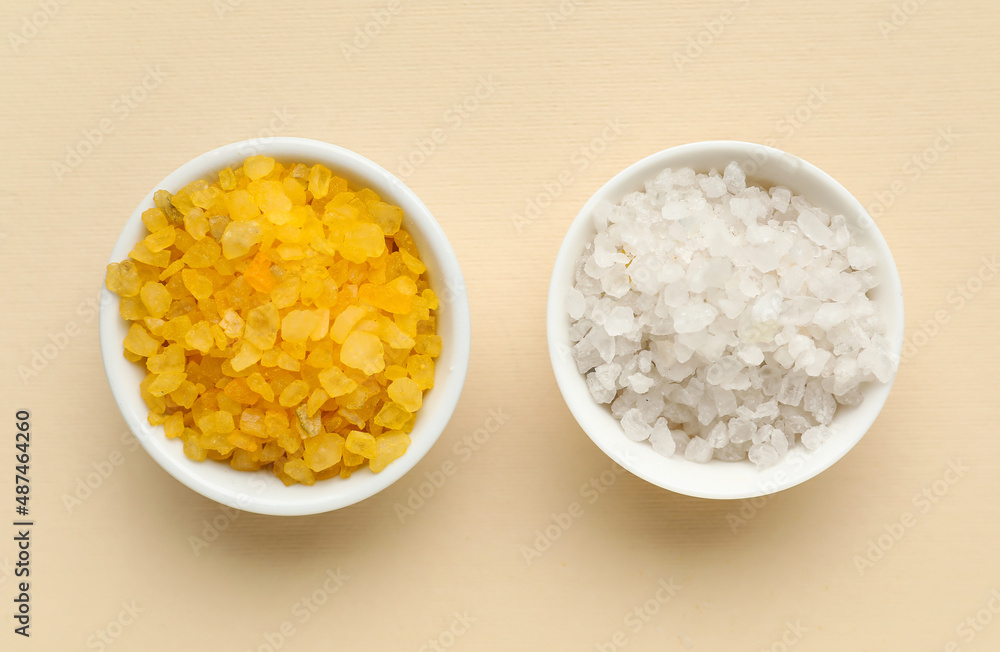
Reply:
x=565, y=370
x=448, y=382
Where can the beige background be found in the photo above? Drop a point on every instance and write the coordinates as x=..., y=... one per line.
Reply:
x=870, y=95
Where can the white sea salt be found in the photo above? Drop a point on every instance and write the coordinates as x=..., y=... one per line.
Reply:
x=721, y=320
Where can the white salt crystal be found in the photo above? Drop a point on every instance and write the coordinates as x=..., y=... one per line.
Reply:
x=661, y=438
x=639, y=383
x=634, y=426
x=575, y=303
x=619, y=321
x=814, y=437
x=721, y=320
x=694, y=316
x=780, y=198
x=763, y=455
x=698, y=450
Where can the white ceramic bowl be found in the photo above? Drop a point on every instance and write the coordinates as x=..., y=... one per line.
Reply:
x=262, y=492
x=765, y=166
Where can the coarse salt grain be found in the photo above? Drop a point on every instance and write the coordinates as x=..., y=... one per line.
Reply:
x=722, y=320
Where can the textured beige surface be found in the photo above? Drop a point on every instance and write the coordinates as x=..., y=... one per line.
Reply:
x=868, y=99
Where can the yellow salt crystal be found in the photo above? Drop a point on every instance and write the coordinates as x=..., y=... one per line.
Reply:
x=257, y=383
x=155, y=298
x=227, y=180
x=160, y=240
x=196, y=224
x=185, y=394
x=345, y=322
x=200, y=337
x=297, y=325
x=245, y=356
x=390, y=446
x=319, y=180
x=232, y=324
x=275, y=423
x=323, y=450
x=363, y=241
x=258, y=167
x=142, y=254
x=335, y=382
x=140, y=342
x=298, y=470
x=169, y=360
x=294, y=394
x=286, y=291
x=392, y=416
x=388, y=217
x=123, y=279
x=316, y=401
x=197, y=284
x=154, y=219
x=239, y=237
x=202, y=253
x=363, y=351
x=295, y=190
x=429, y=344
x=421, y=370
x=351, y=459
x=242, y=205
x=362, y=443
x=412, y=263
x=192, y=449
x=407, y=393
x=252, y=422
x=163, y=384
x=171, y=269
x=322, y=325
x=393, y=336
x=262, y=326
x=173, y=425
x=242, y=440
x=287, y=362
x=394, y=372
x=219, y=421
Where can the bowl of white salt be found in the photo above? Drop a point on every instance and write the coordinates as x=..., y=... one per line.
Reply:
x=724, y=320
